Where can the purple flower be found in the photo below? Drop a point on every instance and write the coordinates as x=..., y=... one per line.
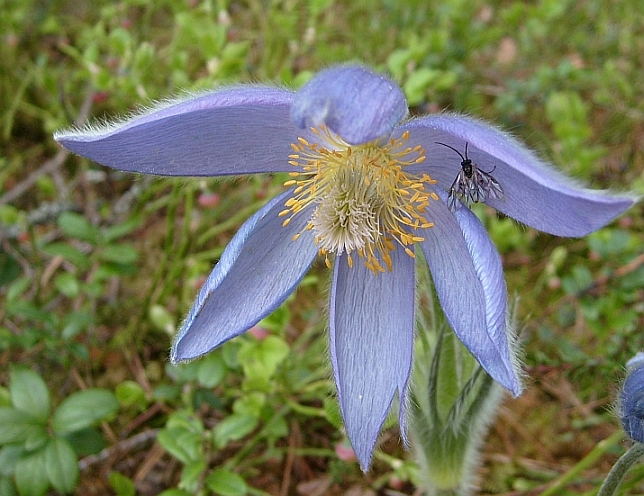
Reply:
x=368, y=188
x=631, y=400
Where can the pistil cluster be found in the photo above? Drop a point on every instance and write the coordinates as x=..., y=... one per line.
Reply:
x=365, y=202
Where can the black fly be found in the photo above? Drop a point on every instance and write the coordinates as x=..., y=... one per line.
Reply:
x=471, y=185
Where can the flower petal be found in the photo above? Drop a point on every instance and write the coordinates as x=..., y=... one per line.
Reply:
x=259, y=268
x=468, y=276
x=534, y=192
x=354, y=102
x=371, y=340
x=234, y=131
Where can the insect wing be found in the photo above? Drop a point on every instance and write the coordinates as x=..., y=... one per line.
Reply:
x=477, y=188
x=488, y=186
x=459, y=191
x=453, y=200
x=471, y=184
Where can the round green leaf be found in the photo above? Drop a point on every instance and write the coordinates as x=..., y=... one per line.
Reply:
x=30, y=474
x=130, y=393
x=175, y=492
x=250, y=404
x=85, y=442
x=260, y=359
x=226, y=483
x=233, y=428
x=192, y=474
x=29, y=393
x=161, y=318
x=74, y=323
x=185, y=446
x=9, y=456
x=67, y=284
x=61, y=465
x=122, y=485
x=76, y=226
x=211, y=371
x=83, y=409
x=16, y=426
x=36, y=438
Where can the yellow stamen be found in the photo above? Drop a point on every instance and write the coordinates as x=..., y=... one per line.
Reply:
x=364, y=201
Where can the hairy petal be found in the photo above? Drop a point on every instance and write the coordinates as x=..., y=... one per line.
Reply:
x=631, y=399
x=534, y=192
x=354, y=102
x=371, y=341
x=260, y=267
x=468, y=276
x=233, y=131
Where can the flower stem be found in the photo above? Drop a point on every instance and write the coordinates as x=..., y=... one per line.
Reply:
x=614, y=479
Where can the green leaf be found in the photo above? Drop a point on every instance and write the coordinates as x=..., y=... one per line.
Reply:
x=9, y=456
x=184, y=420
x=418, y=83
x=185, y=446
x=75, y=322
x=260, y=360
x=211, y=371
x=85, y=442
x=130, y=393
x=175, y=492
x=17, y=288
x=251, y=404
x=31, y=476
x=69, y=253
x=61, y=465
x=36, y=438
x=29, y=393
x=182, y=372
x=122, y=485
x=233, y=428
x=67, y=284
x=76, y=226
x=162, y=319
x=119, y=230
x=16, y=426
x=226, y=483
x=121, y=254
x=83, y=409
x=276, y=428
x=191, y=475
x=166, y=392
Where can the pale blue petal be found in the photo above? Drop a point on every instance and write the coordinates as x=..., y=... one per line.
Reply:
x=534, y=192
x=260, y=267
x=234, y=131
x=468, y=276
x=371, y=341
x=354, y=102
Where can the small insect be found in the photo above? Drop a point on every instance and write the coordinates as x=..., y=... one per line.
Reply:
x=471, y=185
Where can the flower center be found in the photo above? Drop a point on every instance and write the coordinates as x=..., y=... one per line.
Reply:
x=365, y=202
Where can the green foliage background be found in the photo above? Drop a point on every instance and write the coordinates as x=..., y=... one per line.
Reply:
x=97, y=268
